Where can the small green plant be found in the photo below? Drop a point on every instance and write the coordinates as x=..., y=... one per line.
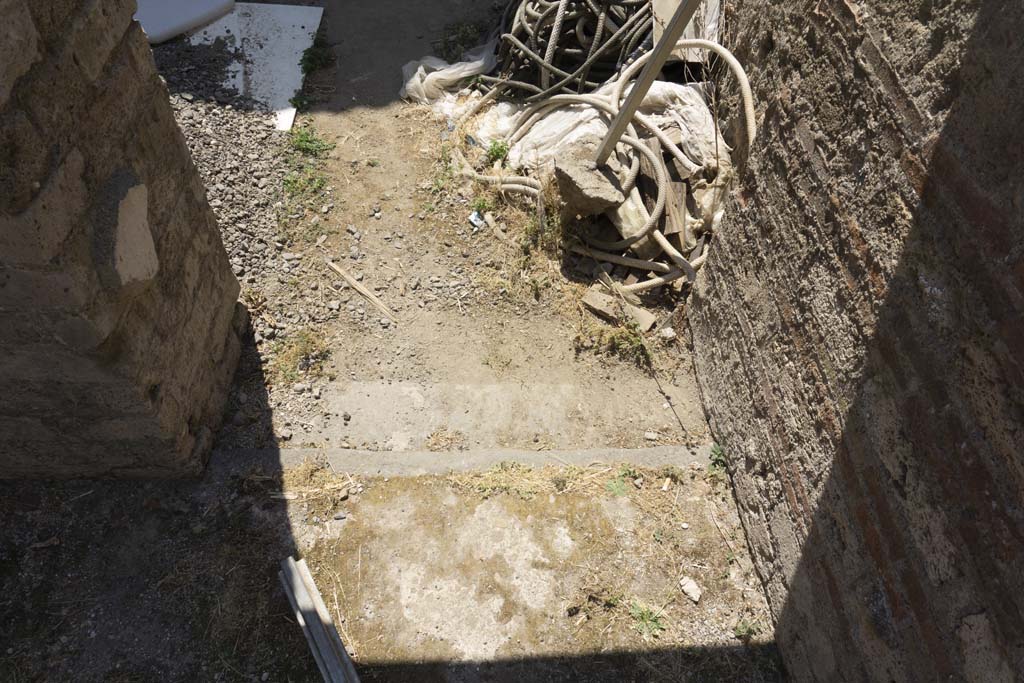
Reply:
x=304, y=182
x=717, y=466
x=316, y=56
x=745, y=630
x=616, y=487
x=306, y=141
x=481, y=205
x=497, y=151
x=646, y=621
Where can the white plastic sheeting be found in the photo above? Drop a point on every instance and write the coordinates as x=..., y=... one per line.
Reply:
x=163, y=19
x=272, y=39
x=428, y=79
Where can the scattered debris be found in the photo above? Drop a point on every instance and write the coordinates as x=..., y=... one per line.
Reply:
x=611, y=309
x=367, y=294
x=690, y=589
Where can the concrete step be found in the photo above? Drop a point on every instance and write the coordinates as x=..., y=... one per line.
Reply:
x=413, y=463
x=586, y=412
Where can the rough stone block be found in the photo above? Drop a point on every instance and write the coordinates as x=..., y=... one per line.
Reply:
x=856, y=334
x=19, y=45
x=120, y=367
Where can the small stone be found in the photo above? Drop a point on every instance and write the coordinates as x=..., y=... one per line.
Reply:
x=385, y=323
x=690, y=589
x=288, y=256
x=265, y=676
x=638, y=482
x=685, y=526
x=667, y=333
x=286, y=435
x=334, y=304
x=300, y=388
x=346, y=417
x=652, y=435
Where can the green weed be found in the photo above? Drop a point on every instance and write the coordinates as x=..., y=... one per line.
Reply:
x=317, y=56
x=718, y=465
x=306, y=141
x=646, y=621
x=497, y=151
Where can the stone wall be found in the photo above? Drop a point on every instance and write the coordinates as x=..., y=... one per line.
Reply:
x=117, y=303
x=859, y=334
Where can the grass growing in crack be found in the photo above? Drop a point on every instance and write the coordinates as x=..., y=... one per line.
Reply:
x=317, y=56
x=497, y=151
x=300, y=355
x=646, y=621
x=506, y=477
x=457, y=38
x=717, y=468
x=306, y=141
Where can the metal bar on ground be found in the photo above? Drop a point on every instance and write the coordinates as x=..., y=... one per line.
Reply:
x=326, y=652
x=325, y=616
x=662, y=51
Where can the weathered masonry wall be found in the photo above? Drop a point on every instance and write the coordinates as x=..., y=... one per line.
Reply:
x=859, y=335
x=116, y=297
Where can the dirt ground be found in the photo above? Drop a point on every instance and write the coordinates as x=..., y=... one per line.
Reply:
x=504, y=573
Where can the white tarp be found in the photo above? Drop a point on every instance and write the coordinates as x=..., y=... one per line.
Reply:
x=428, y=79
x=272, y=39
x=162, y=19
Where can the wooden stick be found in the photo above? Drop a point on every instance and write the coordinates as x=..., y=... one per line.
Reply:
x=662, y=51
x=358, y=286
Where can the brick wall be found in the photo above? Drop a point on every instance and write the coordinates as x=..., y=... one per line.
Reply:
x=859, y=335
x=117, y=302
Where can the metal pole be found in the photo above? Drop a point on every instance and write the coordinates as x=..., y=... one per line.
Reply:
x=673, y=32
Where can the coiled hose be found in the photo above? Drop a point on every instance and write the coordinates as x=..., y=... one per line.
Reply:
x=627, y=23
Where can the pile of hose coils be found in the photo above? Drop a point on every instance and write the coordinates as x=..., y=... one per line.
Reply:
x=568, y=46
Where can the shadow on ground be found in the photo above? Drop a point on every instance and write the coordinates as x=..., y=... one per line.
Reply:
x=152, y=580
x=668, y=665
